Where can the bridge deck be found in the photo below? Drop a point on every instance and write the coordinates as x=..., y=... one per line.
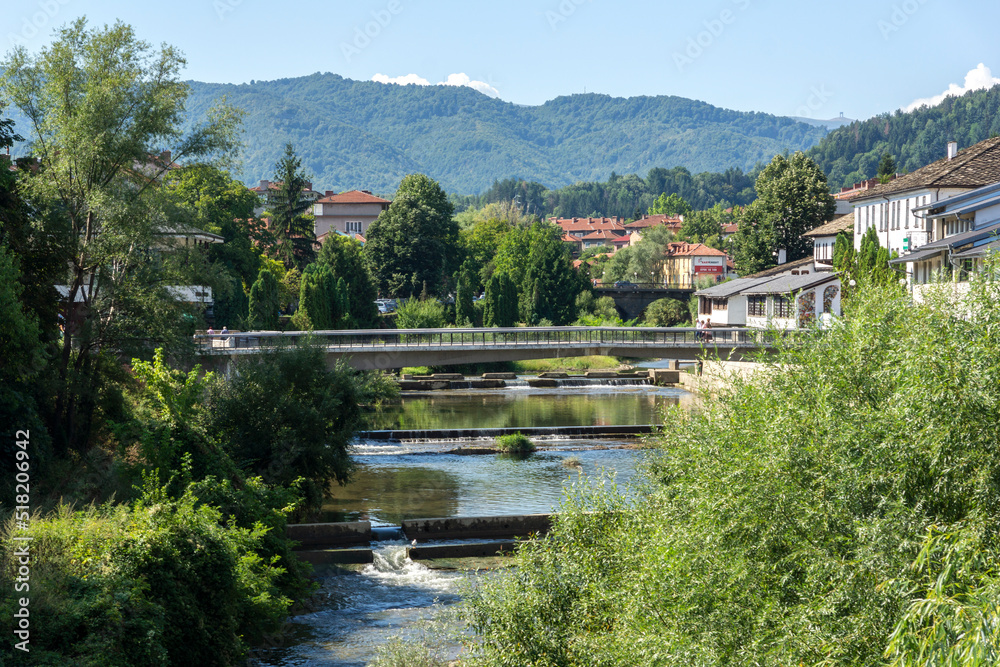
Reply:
x=394, y=348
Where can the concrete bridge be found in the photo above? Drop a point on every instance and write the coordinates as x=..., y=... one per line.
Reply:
x=397, y=348
x=632, y=300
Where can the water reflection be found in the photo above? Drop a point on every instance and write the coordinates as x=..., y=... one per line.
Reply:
x=513, y=408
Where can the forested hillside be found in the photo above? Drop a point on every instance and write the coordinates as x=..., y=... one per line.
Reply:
x=362, y=134
x=850, y=154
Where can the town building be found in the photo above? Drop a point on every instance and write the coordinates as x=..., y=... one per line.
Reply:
x=348, y=213
x=824, y=238
x=685, y=263
x=267, y=190
x=889, y=207
x=963, y=230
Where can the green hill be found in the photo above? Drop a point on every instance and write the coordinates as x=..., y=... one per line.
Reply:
x=362, y=134
x=850, y=154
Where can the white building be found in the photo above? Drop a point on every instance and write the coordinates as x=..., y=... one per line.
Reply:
x=790, y=302
x=964, y=229
x=825, y=236
x=889, y=208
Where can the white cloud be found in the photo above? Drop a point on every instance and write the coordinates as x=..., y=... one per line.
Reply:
x=977, y=79
x=458, y=79
x=462, y=79
x=404, y=80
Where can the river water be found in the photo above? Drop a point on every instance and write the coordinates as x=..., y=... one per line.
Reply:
x=364, y=607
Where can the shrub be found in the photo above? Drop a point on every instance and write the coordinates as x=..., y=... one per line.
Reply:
x=416, y=314
x=163, y=582
x=514, y=443
x=666, y=313
x=840, y=508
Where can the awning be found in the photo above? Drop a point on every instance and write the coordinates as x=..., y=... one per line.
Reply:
x=919, y=255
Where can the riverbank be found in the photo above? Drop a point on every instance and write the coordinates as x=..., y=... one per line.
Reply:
x=564, y=364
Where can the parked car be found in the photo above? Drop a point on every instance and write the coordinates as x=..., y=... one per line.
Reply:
x=624, y=283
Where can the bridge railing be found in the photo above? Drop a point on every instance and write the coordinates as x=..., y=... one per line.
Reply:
x=491, y=337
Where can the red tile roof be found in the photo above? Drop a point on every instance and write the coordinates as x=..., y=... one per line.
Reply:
x=353, y=197
x=673, y=222
x=682, y=249
x=602, y=234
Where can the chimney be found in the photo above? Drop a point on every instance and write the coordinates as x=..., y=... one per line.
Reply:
x=367, y=192
x=329, y=193
x=952, y=149
x=781, y=256
x=165, y=156
x=265, y=184
x=309, y=185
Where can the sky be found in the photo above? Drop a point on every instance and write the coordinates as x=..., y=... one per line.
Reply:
x=813, y=59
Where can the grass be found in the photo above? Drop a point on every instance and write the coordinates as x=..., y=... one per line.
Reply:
x=567, y=364
x=514, y=443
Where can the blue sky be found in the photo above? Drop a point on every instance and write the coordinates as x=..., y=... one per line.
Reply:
x=787, y=58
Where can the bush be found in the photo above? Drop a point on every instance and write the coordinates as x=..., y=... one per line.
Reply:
x=163, y=582
x=666, y=313
x=416, y=314
x=514, y=443
x=841, y=508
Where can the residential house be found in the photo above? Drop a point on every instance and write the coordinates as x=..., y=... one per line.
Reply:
x=789, y=302
x=685, y=263
x=673, y=223
x=725, y=304
x=963, y=229
x=347, y=213
x=825, y=236
x=889, y=208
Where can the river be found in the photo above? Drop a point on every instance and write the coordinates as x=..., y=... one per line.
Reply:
x=363, y=607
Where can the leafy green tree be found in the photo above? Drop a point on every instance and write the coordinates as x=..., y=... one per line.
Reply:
x=291, y=224
x=793, y=197
x=283, y=416
x=264, y=302
x=666, y=313
x=706, y=226
x=100, y=104
x=500, y=309
x=672, y=205
x=480, y=245
x=345, y=258
x=414, y=241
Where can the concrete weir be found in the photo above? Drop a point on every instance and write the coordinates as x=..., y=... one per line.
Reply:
x=323, y=544
x=598, y=431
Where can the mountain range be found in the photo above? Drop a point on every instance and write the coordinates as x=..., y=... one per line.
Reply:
x=368, y=135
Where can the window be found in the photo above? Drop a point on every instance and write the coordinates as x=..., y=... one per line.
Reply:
x=783, y=306
x=757, y=306
x=704, y=306
x=720, y=304
x=354, y=227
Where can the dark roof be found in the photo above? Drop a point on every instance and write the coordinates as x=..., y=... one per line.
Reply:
x=839, y=224
x=787, y=284
x=972, y=167
x=979, y=251
x=917, y=255
x=732, y=287
x=781, y=268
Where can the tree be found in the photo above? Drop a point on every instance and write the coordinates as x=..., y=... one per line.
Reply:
x=886, y=168
x=414, y=241
x=345, y=258
x=100, y=105
x=706, y=226
x=672, y=205
x=666, y=313
x=292, y=227
x=550, y=284
x=793, y=197
x=500, y=309
x=264, y=302
x=465, y=311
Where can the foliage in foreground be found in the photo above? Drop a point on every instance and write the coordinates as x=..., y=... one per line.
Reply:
x=162, y=582
x=841, y=509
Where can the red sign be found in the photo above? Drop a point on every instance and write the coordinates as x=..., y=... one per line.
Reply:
x=709, y=269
